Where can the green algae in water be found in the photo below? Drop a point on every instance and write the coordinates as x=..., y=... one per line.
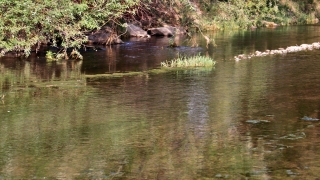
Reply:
x=196, y=71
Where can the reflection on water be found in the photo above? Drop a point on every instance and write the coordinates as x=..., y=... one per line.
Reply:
x=238, y=120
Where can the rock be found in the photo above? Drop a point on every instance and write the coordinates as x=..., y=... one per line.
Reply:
x=269, y=24
x=253, y=27
x=161, y=31
x=316, y=45
x=166, y=31
x=136, y=31
x=257, y=53
x=295, y=136
x=291, y=173
x=253, y=121
x=104, y=36
x=311, y=126
x=306, y=118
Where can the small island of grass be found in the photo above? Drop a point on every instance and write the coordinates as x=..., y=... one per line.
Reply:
x=193, y=61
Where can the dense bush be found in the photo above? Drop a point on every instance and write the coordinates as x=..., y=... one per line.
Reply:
x=25, y=24
x=248, y=13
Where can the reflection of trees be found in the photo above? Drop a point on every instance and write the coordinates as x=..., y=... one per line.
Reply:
x=172, y=126
x=155, y=126
x=138, y=54
x=232, y=43
x=23, y=74
x=27, y=132
x=177, y=138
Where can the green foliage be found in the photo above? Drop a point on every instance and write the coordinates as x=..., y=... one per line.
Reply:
x=75, y=54
x=240, y=14
x=50, y=56
x=193, y=61
x=28, y=23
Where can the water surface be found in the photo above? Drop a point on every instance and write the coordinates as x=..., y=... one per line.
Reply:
x=237, y=120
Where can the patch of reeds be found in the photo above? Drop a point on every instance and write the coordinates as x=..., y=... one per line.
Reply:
x=193, y=61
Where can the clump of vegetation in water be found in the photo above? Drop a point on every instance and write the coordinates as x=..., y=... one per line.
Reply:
x=75, y=54
x=193, y=61
x=51, y=56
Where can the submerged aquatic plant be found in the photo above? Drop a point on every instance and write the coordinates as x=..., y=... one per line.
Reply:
x=193, y=61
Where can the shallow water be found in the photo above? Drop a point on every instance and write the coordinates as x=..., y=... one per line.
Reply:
x=237, y=120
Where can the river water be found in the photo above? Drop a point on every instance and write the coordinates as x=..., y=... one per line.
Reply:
x=239, y=120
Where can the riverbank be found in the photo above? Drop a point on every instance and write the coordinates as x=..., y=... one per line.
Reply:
x=74, y=25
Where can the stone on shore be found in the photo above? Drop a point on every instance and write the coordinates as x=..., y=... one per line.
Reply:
x=136, y=31
x=166, y=31
x=269, y=24
x=105, y=35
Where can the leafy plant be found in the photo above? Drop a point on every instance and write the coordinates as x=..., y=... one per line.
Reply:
x=193, y=61
x=75, y=54
x=26, y=24
x=240, y=14
x=50, y=56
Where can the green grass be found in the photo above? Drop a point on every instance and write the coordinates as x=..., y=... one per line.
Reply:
x=193, y=61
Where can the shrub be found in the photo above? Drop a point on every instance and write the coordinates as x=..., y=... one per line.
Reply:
x=240, y=14
x=26, y=24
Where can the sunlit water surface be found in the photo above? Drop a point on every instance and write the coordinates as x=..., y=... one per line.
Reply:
x=237, y=120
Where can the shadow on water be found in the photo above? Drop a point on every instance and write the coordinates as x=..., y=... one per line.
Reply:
x=136, y=54
x=252, y=119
